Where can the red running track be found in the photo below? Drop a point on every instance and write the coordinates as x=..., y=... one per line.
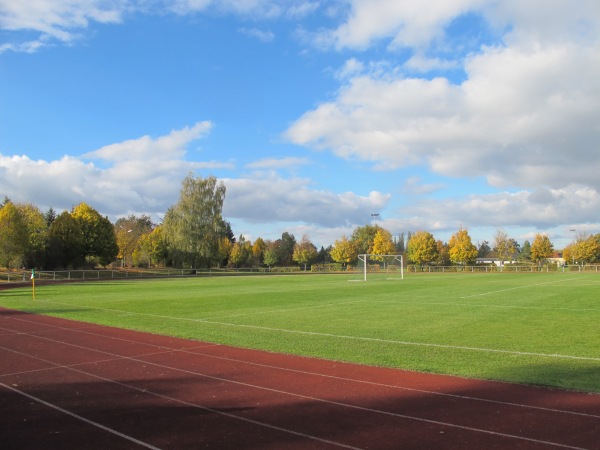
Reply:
x=72, y=385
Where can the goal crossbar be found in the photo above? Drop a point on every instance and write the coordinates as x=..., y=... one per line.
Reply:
x=385, y=259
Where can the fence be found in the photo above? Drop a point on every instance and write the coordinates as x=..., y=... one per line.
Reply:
x=499, y=269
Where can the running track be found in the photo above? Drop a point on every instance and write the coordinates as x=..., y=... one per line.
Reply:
x=72, y=385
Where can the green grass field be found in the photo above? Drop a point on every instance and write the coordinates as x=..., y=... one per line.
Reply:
x=540, y=328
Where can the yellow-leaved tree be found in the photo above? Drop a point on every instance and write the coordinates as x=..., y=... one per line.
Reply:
x=541, y=248
x=422, y=248
x=461, y=249
x=344, y=251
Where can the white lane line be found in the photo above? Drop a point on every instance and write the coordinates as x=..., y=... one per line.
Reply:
x=305, y=397
x=78, y=417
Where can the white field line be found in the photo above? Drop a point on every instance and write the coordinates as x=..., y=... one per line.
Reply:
x=194, y=351
x=277, y=391
x=347, y=337
x=520, y=287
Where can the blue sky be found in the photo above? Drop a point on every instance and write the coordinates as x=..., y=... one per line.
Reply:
x=437, y=114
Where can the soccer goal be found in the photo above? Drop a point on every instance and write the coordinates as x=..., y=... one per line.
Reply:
x=386, y=267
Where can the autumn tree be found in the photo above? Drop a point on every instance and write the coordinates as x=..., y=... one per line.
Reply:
x=13, y=235
x=151, y=249
x=461, y=249
x=258, y=249
x=128, y=233
x=363, y=238
x=344, y=251
x=37, y=235
x=443, y=253
x=194, y=225
x=383, y=243
x=541, y=248
x=504, y=247
x=305, y=251
x=422, y=248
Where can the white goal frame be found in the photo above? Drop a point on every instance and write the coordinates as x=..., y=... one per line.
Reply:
x=394, y=258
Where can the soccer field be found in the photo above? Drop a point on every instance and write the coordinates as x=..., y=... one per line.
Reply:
x=539, y=328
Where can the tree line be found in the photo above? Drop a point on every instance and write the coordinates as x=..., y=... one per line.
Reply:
x=194, y=234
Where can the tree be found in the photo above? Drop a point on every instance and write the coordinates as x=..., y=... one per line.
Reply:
x=258, y=249
x=363, y=238
x=541, y=248
x=66, y=242
x=525, y=254
x=194, y=225
x=422, y=248
x=400, y=244
x=152, y=248
x=285, y=249
x=504, y=247
x=100, y=242
x=443, y=253
x=13, y=235
x=128, y=233
x=344, y=251
x=484, y=249
x=585, y=249
x=240, y=253
x=305, y=251
x=461, y=249
x=383, y=244
x=37, y=235
x=270, y=257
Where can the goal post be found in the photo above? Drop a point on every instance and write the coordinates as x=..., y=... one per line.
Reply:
x=373, y=266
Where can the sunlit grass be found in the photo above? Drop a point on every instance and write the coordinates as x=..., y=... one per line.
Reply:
x=530, y=328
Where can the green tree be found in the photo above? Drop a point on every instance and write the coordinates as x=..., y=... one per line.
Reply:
x=344, y=251
x=422, y=248
x=194, y=225
x=66, y=242
x=285, y=249
x=13, y=235
x=541, y=248
x=270, y=257
x=460, y=248
x=305, y=251
x=525, y=254
x=100, y=243
x=363, y=238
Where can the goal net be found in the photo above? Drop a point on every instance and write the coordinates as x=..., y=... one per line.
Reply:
x=379, y=267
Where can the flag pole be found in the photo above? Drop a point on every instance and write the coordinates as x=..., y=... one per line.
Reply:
x=33, y=283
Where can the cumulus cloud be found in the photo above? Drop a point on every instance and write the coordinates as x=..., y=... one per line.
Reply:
x=522, y=118
x=270, y=198
x=135, y=176
x=59, y=20
x=541, y=209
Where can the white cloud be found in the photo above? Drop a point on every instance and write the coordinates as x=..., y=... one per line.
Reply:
x=136, y=176
x=274, y=199
x=61, y=20
x=522, y=118
x=262, y=35
x=278, y=163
